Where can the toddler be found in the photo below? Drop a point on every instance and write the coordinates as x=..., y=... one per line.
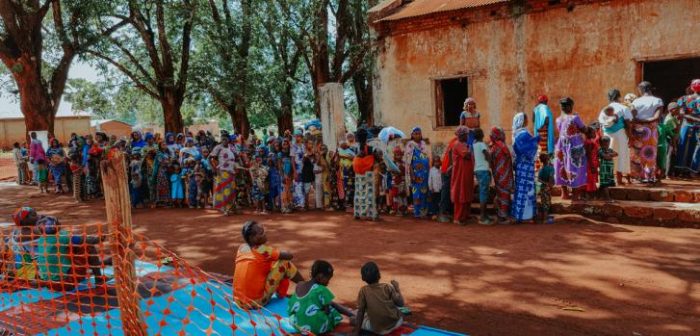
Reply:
x=42, y=172
x=607, y=166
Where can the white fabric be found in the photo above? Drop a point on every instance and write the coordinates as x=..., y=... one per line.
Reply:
x=620, y=144
x=620, y=110
x=480, y=163
x=646, y=106
x=435, y=180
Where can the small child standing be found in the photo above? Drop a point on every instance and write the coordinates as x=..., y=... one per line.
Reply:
x=398, y=185
x=177, y=190
x=191, y=181
x=545, y=178
x=258, y=177
x=435, y=186
x=275, y=180
x=607, y=167
x=378, y=303
x=42, y=173
x=592, y=145
x=136, y=175
x=482, y=171
x=77, y=172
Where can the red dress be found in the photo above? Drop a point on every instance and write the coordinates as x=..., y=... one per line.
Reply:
x=462, y=182
x=592, y=146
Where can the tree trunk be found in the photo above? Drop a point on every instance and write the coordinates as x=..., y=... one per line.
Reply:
x=285, y=119
x=35, y=100
x=321, y=71
x=239, y=118
x=172, y=118
x=364, y=94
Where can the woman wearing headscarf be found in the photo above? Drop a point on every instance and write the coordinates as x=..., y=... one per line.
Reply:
x=525, y=147
x=570, y=163
x=645, y=134
x=161, y=177
x=365, y=202
x=668, y=135
x=470, y=118
x=418, y=168
x=224, y=181
x=688, y=152
x=462, y=179
x=57, y=163
x=189, y=151
x=544, y=127
x=502, y=167
x=136, y=141
x=615, y=126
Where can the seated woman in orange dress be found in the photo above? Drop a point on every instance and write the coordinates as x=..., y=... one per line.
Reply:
x=261, y=270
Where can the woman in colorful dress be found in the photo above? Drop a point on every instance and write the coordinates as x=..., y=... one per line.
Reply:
x=688, y=155
x=502, y=167
x=570, y=165
x=645, y=134
x=470, y=118
x=544, y=127
x=57, y=163
x=365, y=203
x=462, y=179
x=287, y=172
x=615, y=119
x=161, y=176
x=418, y=168
x=224, y=183
x=525, y=147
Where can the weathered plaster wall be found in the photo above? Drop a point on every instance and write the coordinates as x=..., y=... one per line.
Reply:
x=580, y=53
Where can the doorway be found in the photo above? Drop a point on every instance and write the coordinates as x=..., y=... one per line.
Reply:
x=671, y=77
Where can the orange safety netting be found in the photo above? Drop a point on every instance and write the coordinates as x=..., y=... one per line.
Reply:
x=82, y=280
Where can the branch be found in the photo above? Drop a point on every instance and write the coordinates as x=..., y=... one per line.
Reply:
x=166, y=50
x=185, y=53
x=133, y=60
x=139, y=84
x=147, y=35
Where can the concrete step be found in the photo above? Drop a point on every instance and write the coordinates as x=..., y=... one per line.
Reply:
x=679, y=191
x=648, y=213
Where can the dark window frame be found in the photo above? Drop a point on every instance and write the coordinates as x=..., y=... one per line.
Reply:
x=439, y=97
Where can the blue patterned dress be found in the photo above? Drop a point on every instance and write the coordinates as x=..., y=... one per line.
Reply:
x=419, y=169
x=525, y=147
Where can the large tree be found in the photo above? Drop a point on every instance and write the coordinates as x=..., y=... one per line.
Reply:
x=224, y=68
x=153, y=51
x=330, y=54
x=286, y=57
x=363, y=77
x=39, y=41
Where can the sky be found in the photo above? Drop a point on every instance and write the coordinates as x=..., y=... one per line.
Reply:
x=9, y=106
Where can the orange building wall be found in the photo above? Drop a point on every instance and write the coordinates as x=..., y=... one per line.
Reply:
x=13, y=130
x=580, y=53
x=115, y=128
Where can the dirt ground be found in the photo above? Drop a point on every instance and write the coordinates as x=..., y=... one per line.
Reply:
x=576, y=277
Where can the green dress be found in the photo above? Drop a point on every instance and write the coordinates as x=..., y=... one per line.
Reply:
x=313, y=312
x=667, y=132
x=53, y=255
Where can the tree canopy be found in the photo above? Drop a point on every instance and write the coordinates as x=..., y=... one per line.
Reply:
x=253, y=63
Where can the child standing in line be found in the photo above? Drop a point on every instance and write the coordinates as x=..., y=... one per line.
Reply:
x=258, y=177
x=435, y=186
x=311, y=309
x=204, y=174
x=592, y=146
x=42, y=173
x=288, y=170
x=378, y=303
x=77, y=172
x=307, y=174
x=136, y=175
x=607, y=167
x=545, y=178
x=482, y=171
x=398, y=185
x=177, y=190
x=191, y=182
x=275, y=181
x=24, y=165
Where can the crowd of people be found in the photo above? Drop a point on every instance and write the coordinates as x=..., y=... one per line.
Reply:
x=635, y=138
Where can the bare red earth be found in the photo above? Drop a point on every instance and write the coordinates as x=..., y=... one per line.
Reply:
x=576, y=277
